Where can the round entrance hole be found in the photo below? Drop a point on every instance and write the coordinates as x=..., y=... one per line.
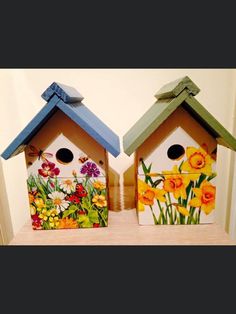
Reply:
x=175, y=152
x=64, y=156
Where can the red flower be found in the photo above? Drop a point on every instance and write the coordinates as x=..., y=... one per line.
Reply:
x=36, y=222
x=81, y=212
x=80, y=190
x=48, y=170
x=73, y=199
x=96, y=225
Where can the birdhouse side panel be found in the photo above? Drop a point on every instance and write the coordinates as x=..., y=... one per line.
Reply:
x=67, y=177
x=176, y=173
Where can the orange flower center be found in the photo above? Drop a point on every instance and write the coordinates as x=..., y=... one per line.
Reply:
x=197, y=160
x=68, y=182
x=170, y=185
x=147, y=198
x=208, y=194
x=57, y=201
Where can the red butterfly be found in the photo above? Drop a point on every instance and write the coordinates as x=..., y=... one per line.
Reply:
x=39, y=153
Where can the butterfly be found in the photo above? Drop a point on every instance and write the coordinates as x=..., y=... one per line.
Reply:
x=83, y=159
x=39, y=153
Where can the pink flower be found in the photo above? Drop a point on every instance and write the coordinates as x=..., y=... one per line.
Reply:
x=36, y=222
x=48, y=170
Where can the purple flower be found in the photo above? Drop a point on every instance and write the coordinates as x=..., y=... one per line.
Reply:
x=90, y=169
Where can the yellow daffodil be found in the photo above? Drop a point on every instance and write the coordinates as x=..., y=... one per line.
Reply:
x=39, y=204
x=99, y=200
x=67, y=223
x=182, y=210
x=199, y=161
x=205, y=197
x=53, y=222
x=147, y=195
x=177, y=183
x=99, y=185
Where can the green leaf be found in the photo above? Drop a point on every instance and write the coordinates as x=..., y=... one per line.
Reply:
x=157, y=182
x=70, y=210
x=84, y=221
x=200, y=180
x=93, y=216
x=214, y=174
x=180, y=166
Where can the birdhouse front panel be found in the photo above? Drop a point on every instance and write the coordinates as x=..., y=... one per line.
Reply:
x=67, y=177
x=175, y=171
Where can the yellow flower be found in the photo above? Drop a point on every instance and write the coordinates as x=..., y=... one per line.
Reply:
x=199, y=161
x=182, y=210
x=99, y=185
x=44, y=214
x=32, y=210
x=205, y=197
x=147, y=194
x=177, y=183
x=53, y=222
x=39, y=203
x=99, y=200
x=67, y=223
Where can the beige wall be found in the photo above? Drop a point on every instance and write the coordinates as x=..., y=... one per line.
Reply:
x=119, y=97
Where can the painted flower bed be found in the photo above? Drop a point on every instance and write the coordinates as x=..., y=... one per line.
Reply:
x=61, y=203
x=182, y=194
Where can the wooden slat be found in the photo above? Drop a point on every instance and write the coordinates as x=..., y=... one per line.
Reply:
x=223, y=137
x=174, y=88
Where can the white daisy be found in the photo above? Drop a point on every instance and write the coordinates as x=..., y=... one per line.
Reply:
x=68, y=186
x=59, y=201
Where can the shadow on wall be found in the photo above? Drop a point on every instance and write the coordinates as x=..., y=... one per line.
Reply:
x=5, y=218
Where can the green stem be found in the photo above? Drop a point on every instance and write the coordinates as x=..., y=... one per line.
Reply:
x=154, y=217
x=161, y=211
x=199, y=214
x=103, y=219
x=171, y=208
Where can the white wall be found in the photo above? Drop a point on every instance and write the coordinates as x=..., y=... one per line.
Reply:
x=119, y=97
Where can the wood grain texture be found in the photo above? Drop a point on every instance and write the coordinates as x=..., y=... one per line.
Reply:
x=174, y=88
x=123, y=229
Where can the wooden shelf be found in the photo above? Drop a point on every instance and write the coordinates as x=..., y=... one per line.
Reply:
x=123, y=229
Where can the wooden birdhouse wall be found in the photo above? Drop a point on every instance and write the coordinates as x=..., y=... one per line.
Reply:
x=167, y=151
x=68, y=156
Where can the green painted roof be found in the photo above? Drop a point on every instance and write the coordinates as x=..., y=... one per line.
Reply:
x=178, y=93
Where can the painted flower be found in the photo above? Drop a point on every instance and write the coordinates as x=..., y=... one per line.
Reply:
x=82, y=212
x=99, y=200
x=39, y=203
x=147, y=195
x=182, y=210
x=31, y=197
x=205, y=197
x=48, y=170
x=90, y=169
x=36, y=222
x=73, y=199
x=96, y=225
x=67, y=223
x=32, y=210
x=54, y=222
x=44, y=214
x=177, y=183
x=80, y=190
x=99, y=185
x=59, y=201
x=67, y=186
x=199, y=161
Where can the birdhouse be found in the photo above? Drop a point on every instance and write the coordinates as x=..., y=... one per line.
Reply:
x=66, y=152
x=175, y=148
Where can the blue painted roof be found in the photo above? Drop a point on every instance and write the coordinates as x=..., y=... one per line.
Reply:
x=64, y=100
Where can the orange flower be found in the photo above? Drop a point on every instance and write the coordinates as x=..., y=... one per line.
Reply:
x=31, y=197
x=147, y=194
x=67, y=223
x=177, y=183
x=199, y=161
x=205, y=197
